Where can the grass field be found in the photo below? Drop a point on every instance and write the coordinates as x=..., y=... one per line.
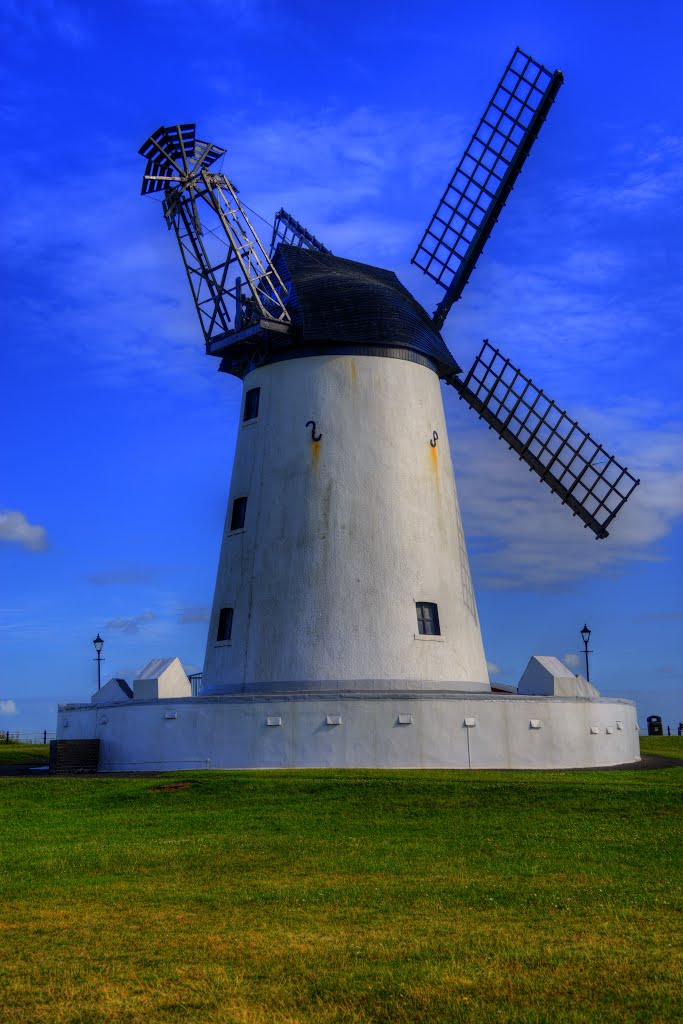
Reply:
x=23, y=753
x=356, y=896
x=667, y=746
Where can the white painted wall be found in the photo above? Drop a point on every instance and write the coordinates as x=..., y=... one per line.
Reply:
x=343, y=536
x=233, y=731
x=162, y=677
x=546, y=676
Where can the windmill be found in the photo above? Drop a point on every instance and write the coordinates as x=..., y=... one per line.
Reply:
x=343, y=547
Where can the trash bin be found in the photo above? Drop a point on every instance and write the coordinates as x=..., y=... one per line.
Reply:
x=654, y=725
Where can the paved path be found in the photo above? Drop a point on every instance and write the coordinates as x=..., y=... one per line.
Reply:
x=38, y=769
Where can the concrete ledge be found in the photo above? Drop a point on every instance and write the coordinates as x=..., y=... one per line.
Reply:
x=348, y=686
x=371, y=731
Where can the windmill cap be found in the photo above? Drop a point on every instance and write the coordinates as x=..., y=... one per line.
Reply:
x=339, y=305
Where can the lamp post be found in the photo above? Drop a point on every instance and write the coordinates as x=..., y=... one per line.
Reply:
x=585, y=636
x=99, y=644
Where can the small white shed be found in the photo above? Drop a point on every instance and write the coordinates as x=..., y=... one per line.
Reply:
x=114, y=689
x=546, y=676
x=161, y=678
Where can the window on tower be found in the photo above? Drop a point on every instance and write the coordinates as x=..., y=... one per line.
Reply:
x=239, y=514
x=427, y=619
x=251, y=404
x=224, y=625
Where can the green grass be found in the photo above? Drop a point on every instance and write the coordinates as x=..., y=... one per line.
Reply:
x=24, y=753
x=665, y=746
x=328, y=896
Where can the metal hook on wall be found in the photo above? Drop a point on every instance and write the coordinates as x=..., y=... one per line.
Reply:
x=435, y=438
x=311, y=424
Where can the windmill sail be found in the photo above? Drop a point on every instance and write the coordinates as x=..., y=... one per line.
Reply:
x=485, y=176
x=575, y=467
x=288, y=230
x=221, y=251
x=171, y=152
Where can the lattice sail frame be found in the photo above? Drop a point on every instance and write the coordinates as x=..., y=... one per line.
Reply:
x=575, y=467
x=485, y=176
x=175, y=149
x=288, y=230
x=179, y=164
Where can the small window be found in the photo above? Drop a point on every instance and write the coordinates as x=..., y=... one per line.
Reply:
x=239, y=514
x=224, y=625
x=428, y=619
x=251, y=404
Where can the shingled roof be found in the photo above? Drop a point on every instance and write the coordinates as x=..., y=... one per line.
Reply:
x=337, y=303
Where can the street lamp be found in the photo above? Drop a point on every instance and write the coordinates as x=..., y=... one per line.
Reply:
x=585, y=636
x=99, y=644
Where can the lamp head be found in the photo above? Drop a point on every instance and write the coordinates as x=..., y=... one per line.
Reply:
x=585, y=634
x=99, y=643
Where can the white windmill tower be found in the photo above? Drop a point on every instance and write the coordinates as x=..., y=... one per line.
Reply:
x=343, y=567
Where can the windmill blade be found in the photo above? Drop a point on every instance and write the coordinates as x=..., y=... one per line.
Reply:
x=289, y=231
x=172, y=154
x=204, y=154
x=592, y=483
x=485, y=176
x=165, y=151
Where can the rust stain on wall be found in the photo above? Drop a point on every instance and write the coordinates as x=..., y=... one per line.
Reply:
x=436, y=476
x=315, y=452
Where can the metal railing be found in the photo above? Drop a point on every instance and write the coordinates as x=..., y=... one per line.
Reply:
x=9, y=736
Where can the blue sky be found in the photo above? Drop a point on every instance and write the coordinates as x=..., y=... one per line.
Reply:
x=118, y=431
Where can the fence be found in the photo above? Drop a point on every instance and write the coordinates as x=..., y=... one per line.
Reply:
x=26, y=737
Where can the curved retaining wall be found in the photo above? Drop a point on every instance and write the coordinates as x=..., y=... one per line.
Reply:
x=357, y=730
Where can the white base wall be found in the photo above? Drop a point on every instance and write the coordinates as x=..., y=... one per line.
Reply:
x=357, y=730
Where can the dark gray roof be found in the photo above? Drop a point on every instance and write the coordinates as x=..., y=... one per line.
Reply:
x=125, y=687
x=338, y=303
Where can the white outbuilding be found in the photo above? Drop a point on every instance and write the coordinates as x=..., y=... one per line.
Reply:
x=113, y=690
x=546, y=676
x=161, y=679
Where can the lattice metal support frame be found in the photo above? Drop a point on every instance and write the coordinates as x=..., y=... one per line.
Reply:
x=206, y=277
x=485, y=176
x=179, y=164
x=288, y=230
x=575, y=467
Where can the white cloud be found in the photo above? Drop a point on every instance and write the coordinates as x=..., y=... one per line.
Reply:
x=368, y=194
x=562, y=318
x=16, y=529
x=519, y=534
x=124, y=574
x=641, y=176
x=130, y=624
x=192, y=615
x=571, y=660
x=354, y=194
x=124, y=280
x=43, y=18
x=493, y=668
x=8, y=707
